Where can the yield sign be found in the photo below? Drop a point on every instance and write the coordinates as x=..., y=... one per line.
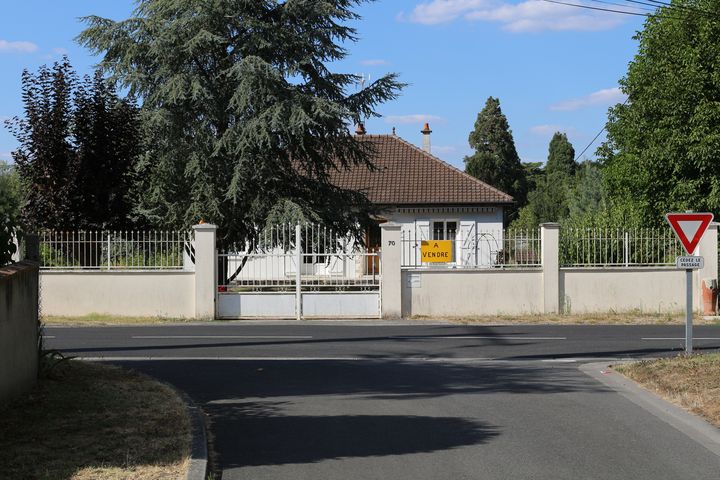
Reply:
x=689, y=227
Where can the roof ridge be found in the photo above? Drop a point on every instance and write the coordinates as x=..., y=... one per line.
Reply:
x=448, y=165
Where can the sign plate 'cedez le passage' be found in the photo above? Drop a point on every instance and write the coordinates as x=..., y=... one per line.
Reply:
x=692, y=263
x=436, y=251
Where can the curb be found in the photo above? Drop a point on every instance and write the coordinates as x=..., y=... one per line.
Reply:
x=693, y=426
x=197, y=470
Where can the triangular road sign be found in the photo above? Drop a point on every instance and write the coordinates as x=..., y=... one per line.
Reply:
x=689, y=227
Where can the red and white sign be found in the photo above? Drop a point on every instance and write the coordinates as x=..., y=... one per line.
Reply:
x=689, y=227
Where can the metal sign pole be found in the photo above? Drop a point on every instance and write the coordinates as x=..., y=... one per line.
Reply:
x=688, y=312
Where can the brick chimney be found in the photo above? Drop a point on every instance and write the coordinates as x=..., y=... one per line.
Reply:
x=426, y=138
x=360, y=130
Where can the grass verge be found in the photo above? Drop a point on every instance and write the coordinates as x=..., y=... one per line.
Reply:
x=625, y=318
x=628, y=318
x=692, y=382
x=102, y=319
x=95, y=422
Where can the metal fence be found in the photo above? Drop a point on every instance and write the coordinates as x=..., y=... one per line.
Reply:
x=309, y=256
x=116, y=250
x=614, y=247
x=472, y=248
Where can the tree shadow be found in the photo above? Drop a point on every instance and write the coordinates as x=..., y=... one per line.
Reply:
x=247, y=436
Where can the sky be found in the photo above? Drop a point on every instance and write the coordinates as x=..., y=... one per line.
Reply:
x=553, y=67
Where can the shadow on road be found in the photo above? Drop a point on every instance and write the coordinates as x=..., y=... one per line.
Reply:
x=266, y=412
x=275, y=439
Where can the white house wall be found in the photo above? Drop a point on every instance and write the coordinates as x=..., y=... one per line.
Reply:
x=479, y=235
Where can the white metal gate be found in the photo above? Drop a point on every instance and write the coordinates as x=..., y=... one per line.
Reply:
x=299, y=271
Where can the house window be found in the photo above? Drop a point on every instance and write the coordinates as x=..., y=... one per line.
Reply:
x=444, y=230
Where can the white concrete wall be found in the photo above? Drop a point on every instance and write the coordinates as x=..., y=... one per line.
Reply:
x=18, y=329
x=510, y=292
x=150, y=294
x=453, y=293
x=650, y=290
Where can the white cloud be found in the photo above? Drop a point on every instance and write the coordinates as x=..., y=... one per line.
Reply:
x=17, y=47
x=606, y=97
x=527, y=16
x=549, y=129
x=443, y=150
x=415, y=118
x=375, y=62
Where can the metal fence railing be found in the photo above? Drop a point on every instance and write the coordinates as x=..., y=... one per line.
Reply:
x=116, y=250
x=614, y=247
x=313, y=257
x=473, y=248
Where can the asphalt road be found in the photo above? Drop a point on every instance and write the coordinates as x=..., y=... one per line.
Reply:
x=412, y=402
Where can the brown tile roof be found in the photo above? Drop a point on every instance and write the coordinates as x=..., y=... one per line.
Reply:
x=407, y=175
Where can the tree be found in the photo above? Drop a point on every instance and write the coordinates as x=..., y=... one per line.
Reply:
x=561, y=156
x=45, y=159
x=662, y=148
x=241, y=109
x=10, y=198
x=106, y=133
x=495, y=160
x=78, y=142
x=588, y=194
x=550, y=186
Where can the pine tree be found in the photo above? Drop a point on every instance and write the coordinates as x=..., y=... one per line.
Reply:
x=241, y=109
x=495, y=160
x=561, y=156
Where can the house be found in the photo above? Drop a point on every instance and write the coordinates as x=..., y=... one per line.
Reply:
x=429, y=198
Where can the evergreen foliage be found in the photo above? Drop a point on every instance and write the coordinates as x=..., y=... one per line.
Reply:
x=241, y=109
x=496, y=160
x=550, y=186
x=561, y=156
x=10, y=198
x=662, y=149
x=78, y=141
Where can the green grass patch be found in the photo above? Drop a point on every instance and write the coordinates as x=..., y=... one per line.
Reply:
x=95, y=422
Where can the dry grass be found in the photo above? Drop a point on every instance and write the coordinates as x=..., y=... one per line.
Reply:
x=96, y=422
x=104, y=320
x=691, y=382
x=626, y=318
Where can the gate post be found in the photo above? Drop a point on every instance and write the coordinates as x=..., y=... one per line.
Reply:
x=390, y=271
x=550, y=238
x=205, y=271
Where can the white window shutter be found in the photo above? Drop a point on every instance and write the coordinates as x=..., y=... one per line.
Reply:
x=468, y=244
x=422, y=232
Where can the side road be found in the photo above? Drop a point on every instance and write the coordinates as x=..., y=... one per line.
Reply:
x=413, y=402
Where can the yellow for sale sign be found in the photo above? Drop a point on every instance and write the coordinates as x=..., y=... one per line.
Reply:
x=436, y=251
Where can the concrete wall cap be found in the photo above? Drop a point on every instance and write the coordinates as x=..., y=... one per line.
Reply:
x=390, y=226
x=204, y=226
x=550, y=225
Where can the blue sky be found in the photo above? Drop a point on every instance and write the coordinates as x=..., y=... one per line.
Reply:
x=552, y=67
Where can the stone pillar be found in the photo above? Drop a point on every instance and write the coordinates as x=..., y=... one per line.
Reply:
x=205, y=271
x=390, y=267
x=550, y=238
x=708, y=249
